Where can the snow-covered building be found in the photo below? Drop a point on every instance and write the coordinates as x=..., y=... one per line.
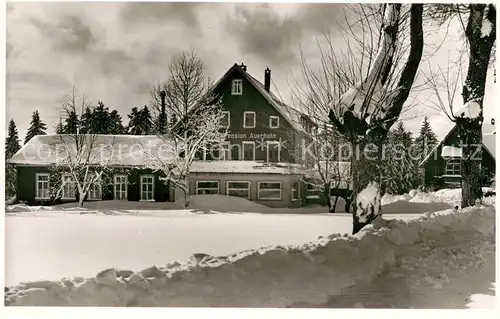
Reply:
x=264, y=145
x=442, y=165
x=258, y=162
x=42, y=167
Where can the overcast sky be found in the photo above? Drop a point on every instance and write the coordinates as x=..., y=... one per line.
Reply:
x=115, y=52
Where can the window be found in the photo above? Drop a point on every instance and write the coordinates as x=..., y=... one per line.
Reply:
x=274, y=122
x=269, y=190
x=248, y=119
x=95, y=191
x=207, y=187
x=237, y=87
x=273, y=151
x=249, y=151
x=42, y=185
x=225, y=121
x=239, y=189
x=147, y=187
x=120, y=186
x=452, y=167
x=235, y=152
x=312, y=191
x=295, y=190
x=68, y=187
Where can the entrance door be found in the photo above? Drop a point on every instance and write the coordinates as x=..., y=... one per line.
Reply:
x=147, y=187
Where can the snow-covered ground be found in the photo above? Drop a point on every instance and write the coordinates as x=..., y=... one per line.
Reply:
x=48, y=243
x=52, y=244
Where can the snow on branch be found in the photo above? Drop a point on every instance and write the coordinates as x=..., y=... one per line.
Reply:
x=368, y=99
x=84, y=156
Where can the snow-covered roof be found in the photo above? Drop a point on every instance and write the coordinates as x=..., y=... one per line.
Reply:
x=246, y=167
x=117, y=150
x=451, y=151
x=290, y=114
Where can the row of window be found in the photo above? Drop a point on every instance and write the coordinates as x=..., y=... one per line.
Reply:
x=265, y=190
x=95, y=192
x=244, y=151
x=249, y=120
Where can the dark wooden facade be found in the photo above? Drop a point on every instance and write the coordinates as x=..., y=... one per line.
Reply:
x=436, y=174
x=26, y=185
x=256, y=97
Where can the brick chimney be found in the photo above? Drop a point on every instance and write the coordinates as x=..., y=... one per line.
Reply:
x=243, y=66
x=267, y=79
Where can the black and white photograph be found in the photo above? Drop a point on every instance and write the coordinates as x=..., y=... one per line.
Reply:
x=256, y=155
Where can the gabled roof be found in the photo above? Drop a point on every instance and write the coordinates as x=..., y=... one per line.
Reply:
x=117, y=150
x=290, y=114
x=489, y=137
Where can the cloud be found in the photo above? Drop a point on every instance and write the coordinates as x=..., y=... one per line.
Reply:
x=262, y=31
x=70, y=34
x=53, y=80
x=134, y=14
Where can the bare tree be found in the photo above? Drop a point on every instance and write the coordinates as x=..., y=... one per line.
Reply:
x=362, y=90
x=83, y=156
x=186, y=85
x=479, y=28
x=195, y=114
x=327, y=171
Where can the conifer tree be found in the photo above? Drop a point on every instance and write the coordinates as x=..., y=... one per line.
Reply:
x=11, y=147
x=12, y=140
x=140, y=122
x=37, y=127
x=71, y=123
x=60, y=127
x=426, y=139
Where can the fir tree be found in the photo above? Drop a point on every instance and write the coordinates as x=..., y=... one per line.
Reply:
x=426, y=139
x=133, y=122
x=12, y=140
x=140, y=122
x=146, y=121
x=115, y=123
x=60, y=127
x=71, y=123
x=37, y=127
x=400, y=165
x=11, y=147
x=100, y=120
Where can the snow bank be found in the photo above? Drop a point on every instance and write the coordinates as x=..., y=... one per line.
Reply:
x=25, y=208
x=267, y=277
x=452, y=196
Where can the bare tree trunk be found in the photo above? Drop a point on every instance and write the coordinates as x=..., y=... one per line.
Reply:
x=335, y=204
x=365, y=170
x=470, y=129
x=326, y=195
x=81, y=198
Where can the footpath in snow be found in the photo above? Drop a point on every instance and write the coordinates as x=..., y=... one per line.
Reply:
x=436, y=261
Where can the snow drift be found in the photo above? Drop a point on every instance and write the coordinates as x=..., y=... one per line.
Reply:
x=269, y=277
